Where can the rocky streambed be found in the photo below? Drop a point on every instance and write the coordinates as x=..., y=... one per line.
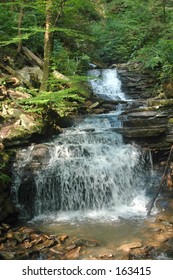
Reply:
x=155, y=243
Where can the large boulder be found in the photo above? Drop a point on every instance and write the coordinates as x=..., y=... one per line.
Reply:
x=20, y=131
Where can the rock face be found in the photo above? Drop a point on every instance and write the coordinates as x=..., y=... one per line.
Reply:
x=147, y=119
x=148, y=124
x=135, y=82
x=8, y=211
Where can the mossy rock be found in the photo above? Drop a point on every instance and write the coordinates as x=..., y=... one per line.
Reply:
x=170, y=121
x=160, y=102
x=20, y=135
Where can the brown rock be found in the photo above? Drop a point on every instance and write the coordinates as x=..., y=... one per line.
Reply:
x=26, y=230
x=71, y=247
x=106, y=256
x=73, y=254
x=128, y=246
x=63, y=238
x=34, y=236
x=7, y=255
x=53, y=250
x=46, y=244
x=162, y=237
x=27, y=244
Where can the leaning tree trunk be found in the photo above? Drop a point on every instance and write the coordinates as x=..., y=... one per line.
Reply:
x=48, y=37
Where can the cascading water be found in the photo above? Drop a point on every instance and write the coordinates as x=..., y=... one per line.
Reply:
x=89, y=172
x=105, y=83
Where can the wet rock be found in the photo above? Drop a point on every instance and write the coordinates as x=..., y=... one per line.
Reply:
x=161, y=237
x=7, y=255
x=26, y=230
x=169, y=243
x=20, y=237
x=106, y=256
x=109, y=107
x=143, y=114
x=159, y=255
x=93, y=258
x=41, y=154
x=128, y=246
x=142, y=253
x=56, y=251
x=11, y=243
x=27, y=245
x=98, y=111
x=46, y=244
x=34, y=236
x=136, y=83
x=164, y=203
x=38, y=239
x=94, y=105
x=23, y=255
x=160, y=102
x=165, y=216
x=63, y=238
x=71, y=247
x=87, y=243
x=73, y=254
x=142, y=132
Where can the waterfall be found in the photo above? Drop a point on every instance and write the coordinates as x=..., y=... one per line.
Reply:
x=105, y=84
x=88, y=171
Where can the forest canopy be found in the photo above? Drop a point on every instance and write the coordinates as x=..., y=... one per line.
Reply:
x=83, y=31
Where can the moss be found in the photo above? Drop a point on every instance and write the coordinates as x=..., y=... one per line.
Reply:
x=170, y=121
x=160, y=102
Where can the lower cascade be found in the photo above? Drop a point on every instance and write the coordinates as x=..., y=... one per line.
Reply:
x=85, y=173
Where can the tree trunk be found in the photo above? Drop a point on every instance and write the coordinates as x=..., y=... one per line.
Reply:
x=164, y=10
x=48, y=38
x=21, y=14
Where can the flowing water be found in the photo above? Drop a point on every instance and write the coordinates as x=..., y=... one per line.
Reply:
x=93, y=185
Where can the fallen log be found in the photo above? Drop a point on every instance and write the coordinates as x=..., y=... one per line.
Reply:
x=32, y=57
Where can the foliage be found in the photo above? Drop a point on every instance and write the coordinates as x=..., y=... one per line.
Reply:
x=72, y=33
x=63, y=102
x=70, y=51
x=84, y=30
x=137, y=30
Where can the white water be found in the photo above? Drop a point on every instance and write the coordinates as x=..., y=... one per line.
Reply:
x=105, y=83
x=92, y=175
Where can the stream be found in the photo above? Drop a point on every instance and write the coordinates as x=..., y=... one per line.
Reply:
x=90, y=184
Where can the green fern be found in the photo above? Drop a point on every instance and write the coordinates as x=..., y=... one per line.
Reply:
x=63, y=101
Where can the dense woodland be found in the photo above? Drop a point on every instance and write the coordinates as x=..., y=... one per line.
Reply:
x=69, y=34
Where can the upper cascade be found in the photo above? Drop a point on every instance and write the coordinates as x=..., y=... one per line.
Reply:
x=106, y=84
